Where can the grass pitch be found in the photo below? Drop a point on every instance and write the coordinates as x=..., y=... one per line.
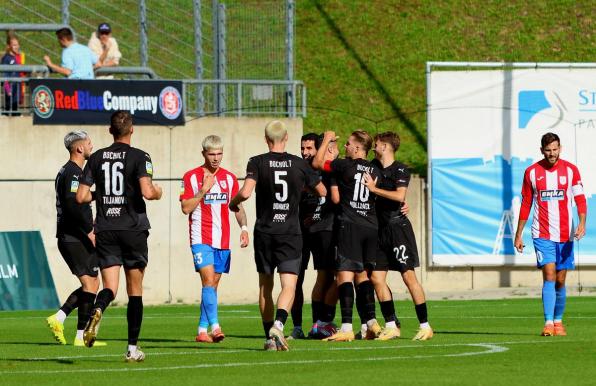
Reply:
x=476, y=342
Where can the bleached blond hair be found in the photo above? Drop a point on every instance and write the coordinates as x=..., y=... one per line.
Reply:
x=212, y=142
x=276, y=131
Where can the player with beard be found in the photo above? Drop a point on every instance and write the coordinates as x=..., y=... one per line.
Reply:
x=549, y=186
x=357, y=230
x=316, y=220
x=397, y=243
x=76, y=240
x=123, y=177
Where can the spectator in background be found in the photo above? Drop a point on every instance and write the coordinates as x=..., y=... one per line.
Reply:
x=78, y=61
x=105, y=47
x=12, y=91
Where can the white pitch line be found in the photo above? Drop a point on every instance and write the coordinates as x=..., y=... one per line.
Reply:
x=328, y=347
x=490, y=349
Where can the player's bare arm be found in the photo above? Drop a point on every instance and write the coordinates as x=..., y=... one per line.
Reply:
x=191, y=204
x=518, y=242
x=243, y=194
x=321, y=190
x=335, y=194
x=318, y=161
x=241, y=218
x=83, y=194
x=398, y=194
x=150, y=190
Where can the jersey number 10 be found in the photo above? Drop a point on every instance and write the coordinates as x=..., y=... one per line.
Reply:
x=360, y=190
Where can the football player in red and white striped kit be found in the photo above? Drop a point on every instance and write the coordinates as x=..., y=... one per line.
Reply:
x=205, y=194
x=549, y=186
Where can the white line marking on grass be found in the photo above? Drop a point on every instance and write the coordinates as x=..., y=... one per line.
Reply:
x=328, y=347
x=490, y=349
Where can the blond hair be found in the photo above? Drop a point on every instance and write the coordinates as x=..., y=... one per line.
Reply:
x=212, y=142
x=276, y=131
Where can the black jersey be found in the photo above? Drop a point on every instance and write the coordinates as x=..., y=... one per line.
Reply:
x=280, y=178
x=357, y=203
x=73, y=220
x=317, y=213
x=116, y=170
x=392, y=177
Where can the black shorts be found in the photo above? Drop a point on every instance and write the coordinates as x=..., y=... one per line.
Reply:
x=322, y=246
x=356, y=247
x=283, y=252
x=80, y=257
x=397, y=248
x=127, y=248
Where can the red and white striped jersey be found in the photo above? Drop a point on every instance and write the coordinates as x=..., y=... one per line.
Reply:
x=209, y=223
x=551, y=190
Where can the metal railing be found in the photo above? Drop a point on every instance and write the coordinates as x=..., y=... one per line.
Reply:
x=242, y=97
x=143, y=71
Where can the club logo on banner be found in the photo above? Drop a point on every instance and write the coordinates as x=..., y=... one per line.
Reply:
x=42, y=101
x=91, y=102
x=170, y=102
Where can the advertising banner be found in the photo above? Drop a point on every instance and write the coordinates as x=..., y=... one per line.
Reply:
x=484, y=130
x=25, y=279
x=92, y=102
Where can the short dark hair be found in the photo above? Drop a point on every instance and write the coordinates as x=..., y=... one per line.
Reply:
x=311, y=137
x=549, y=138
x=64, y=33
x=120, y=124
x=364, y=139
x=390, y=138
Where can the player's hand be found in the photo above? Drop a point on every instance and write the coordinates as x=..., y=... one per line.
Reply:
x=91, y=236
x=519, y=244
x=208, y=181
x=329, y=136
x=370, y=183
x=580, y=232
x=47, y=60
x=159, y=191
x=243, y=239
x=405, y=209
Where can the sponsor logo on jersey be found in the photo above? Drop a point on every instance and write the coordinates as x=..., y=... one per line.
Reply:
x=562, y=180
x=215, y=198
x=42, y=101
x=74, y=185
x=113, y=211
x=552, y=195
x=170, y=102
x=149, y=167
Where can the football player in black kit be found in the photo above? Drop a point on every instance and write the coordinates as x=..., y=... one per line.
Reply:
x=316, y=220
x=397, y=244
x=357, y=231
x=76, y=240
x=123, y=177
x=278, y=178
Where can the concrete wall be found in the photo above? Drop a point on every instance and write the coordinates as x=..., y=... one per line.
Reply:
x=36, y=153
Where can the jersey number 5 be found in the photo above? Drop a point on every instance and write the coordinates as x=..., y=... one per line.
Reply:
x=113, y=178
x=284, y=185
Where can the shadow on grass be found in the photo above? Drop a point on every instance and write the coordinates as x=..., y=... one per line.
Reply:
x=60, y=361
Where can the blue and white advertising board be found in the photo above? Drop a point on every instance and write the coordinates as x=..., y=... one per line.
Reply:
x=484, y=130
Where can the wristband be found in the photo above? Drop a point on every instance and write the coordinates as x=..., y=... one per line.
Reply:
x=244, y=228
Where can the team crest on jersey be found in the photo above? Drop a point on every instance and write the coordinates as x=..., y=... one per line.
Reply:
x=149, y=167
x=181, y=187
x=223, y=184
x=562, y=180
x=74, y=185
x=170, y=102
x=42, y=101
x=552, y=195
